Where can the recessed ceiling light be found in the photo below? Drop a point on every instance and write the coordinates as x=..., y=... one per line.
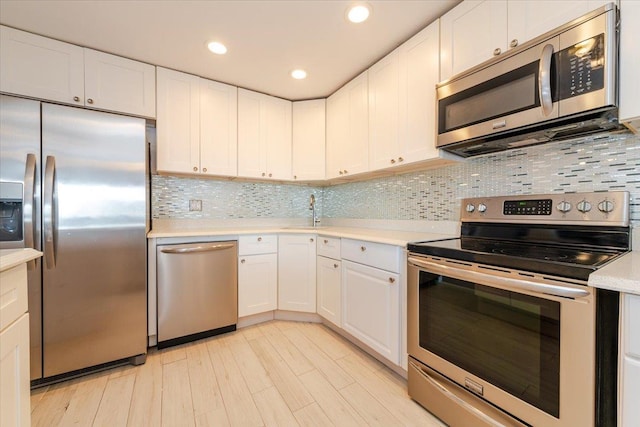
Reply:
x=299, y=74
x=217, y=48
x=358, y=13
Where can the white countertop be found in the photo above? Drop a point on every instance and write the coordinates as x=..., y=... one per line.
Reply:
x=9, y=258
x=621, y=275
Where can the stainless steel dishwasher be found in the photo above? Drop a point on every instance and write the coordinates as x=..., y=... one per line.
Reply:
x=197, y=291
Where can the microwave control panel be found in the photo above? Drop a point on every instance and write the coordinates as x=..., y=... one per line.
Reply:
x=580, y=68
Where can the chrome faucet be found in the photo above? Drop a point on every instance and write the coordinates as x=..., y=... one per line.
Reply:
x=314, y=214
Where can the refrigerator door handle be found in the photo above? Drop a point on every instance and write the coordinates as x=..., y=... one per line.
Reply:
x=49, y=212
x=29, y=205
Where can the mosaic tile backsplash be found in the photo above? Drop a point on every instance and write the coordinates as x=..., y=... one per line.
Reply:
x=598, y=163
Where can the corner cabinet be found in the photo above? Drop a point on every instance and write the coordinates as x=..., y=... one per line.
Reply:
x=264, y=136
x=297, y=272
x=630, y=64
x=257, y=274
x=348, y=129
x=48, y=69
x=308, y=140
x=197, y=125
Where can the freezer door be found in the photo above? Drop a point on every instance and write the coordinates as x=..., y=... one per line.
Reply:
x=20, y=163
x=94, y=225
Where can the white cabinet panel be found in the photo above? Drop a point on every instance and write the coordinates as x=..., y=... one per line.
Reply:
x=178, y=126
x=632, y=325
x=630, y=409
x=308, y=146
x=630, y=63
x=257, y=284
x=386, y=257
x=264, y=136
x=257, y=244
x=371, y=308
x=297, y=273
x=15, y=405
x=13, y=294
x=118, y=84
x=40, y=67
x=218, y=128
x=329, y=289
x=329, y=247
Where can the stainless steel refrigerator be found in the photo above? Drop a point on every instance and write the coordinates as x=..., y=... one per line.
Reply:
x=83, y=182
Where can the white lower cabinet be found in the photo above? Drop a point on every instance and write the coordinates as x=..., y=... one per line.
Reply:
x=329, y=289
x=257, y=274
x=630, y=362
x=297, y=273
x=371, y=307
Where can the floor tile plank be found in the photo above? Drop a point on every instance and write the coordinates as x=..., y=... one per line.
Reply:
x=177, y=405
x=146, y=401
x=54, y=404
x=368, y=407
x=312, y=416
x=205, y=392
x=116, y=401
x=83, y=407
x=298, y=363
x=273, y=408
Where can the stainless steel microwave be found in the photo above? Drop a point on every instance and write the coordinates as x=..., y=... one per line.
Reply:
x=560, y=85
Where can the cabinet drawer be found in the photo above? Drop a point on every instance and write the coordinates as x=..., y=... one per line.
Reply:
x=386, y=257
x=329, y=247
x=632, y=325
x=13, y=294
x=257, y=244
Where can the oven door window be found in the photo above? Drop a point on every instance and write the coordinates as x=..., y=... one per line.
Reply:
x=510, y=340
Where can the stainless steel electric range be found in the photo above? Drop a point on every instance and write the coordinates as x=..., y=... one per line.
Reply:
x=502, y=327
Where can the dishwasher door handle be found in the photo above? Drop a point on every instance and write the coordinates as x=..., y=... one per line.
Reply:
x=197, y=249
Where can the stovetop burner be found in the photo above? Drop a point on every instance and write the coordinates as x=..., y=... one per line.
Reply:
x=565, y=235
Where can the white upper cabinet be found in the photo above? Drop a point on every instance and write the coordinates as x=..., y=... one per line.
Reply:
x=264, y=136
x=118, y=84
x=630, y=63
x=471, y=33
x=348, y=129
x=48, y=69
x=402, y=101
x=308, y=150
x=178, y=125
x=476, y=30
x=218, y=128
x=196, y=126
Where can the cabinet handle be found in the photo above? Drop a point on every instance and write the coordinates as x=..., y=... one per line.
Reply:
x=346, y=171
x=76, y=98
x=326, y=241
x=295, y=176
x=311, y=240
x=335, y=265
x=242, y=261
x=393, y=161
x=269, y=175
x=392, y=280
x=497, y=51
x=514, y=43
x=259, y=239
x=264, y=174
x=363, y=248
x=340, y=172
x=90, y=101
x=204, y=169
x=195, y=169
x=400, y=159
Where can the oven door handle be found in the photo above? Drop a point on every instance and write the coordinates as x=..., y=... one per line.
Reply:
x=504, y=282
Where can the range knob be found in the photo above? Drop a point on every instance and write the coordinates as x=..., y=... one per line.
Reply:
x=564, y=206
x=584, y=206
x=470, y=208
x=605, y=206
x=482, y=208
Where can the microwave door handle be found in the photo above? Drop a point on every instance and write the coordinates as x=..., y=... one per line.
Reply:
x=29, y=205
x=544, y=79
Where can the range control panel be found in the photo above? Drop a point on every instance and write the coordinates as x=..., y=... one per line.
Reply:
x=597, y=208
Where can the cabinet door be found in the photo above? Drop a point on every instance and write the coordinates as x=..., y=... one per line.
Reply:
x=419, y=74
x=527, y=19
x=329, y=290
x=257, y=284
x=308, y=140
x=297, y=273
x=41, y=67
x=630, y=396
x=630, y=63
x=277, y=128
x=178, y=126
x=470, y=33
x=15, y=406
x=252, y=148
x=337, y=132
x=384, y=112
x=356, y=148
x=118, y=84
x=371, y=308
x=218, y=128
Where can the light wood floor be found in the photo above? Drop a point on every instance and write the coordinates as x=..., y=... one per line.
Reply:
x=274, y=374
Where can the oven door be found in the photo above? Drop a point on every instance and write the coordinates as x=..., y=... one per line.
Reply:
x=523, y=344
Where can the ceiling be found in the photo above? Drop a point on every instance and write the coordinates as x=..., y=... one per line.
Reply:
x=266, y=39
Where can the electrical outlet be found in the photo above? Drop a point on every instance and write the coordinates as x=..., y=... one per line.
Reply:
x=195, y=205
